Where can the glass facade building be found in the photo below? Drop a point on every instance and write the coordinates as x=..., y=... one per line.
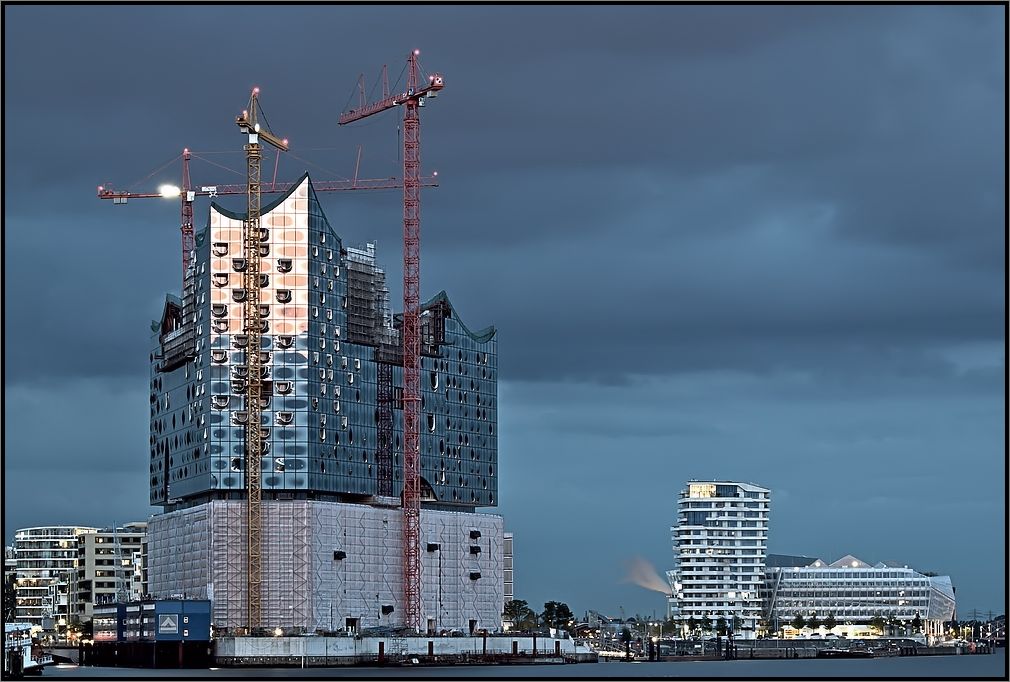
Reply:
x=853, y=591
x=332, y=384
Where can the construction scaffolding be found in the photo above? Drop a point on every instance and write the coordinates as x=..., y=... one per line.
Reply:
x=369, y=320
x=329, y=566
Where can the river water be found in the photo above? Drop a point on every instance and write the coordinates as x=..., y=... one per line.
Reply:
x=993, y=666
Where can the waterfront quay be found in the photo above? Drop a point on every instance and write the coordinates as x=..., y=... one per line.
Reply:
x=992, y=666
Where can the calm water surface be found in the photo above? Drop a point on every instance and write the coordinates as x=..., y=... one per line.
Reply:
x=936, y=667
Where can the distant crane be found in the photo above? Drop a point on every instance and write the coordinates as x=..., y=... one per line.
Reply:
x=252, y=236
x=411, y=99
x=187, y=194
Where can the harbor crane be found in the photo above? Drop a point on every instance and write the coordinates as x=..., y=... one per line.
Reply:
x=412, y=99
x=252, y=236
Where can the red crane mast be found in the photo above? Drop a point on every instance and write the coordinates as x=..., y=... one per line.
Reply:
x=411, y=99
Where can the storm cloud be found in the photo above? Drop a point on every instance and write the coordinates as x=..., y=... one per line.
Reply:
x=757, y=243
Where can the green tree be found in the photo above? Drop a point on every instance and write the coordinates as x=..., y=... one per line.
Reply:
x=557, y=615
x=878, y=623
x=720, y=627
x=692, y=624
x=518, y=612
x=626, y=638
x=830, y=621
x=671, y=627
x=737, y=622
x=813, y=622
x=706, y=623
x=10, y=602
x=798, y=622
x=917, y=623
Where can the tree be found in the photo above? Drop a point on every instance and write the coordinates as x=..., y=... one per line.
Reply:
x=878, y=623
x=917, y=623
x=626, y=638
x=798, y=622
x=830, y=621
x=692, y=624
x=518, y=612
x=813, y=622
x=671, y=626
x=706, y=624
x=557, y=615
x=737, y=622
x=10, y=602
x=720, y=627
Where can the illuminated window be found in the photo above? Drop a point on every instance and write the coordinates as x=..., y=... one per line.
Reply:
x=701, y=490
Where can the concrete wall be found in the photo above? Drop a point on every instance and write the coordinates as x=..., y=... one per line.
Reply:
x=199, y=553
x=346, y=647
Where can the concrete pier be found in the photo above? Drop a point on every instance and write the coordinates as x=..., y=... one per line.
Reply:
x=329, y=651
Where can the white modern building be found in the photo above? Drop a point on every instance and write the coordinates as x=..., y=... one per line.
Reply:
x=720, y=543
x=46, y=560
x=330, y=566
x=853, y=591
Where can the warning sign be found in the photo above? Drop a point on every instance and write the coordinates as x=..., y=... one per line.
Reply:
x=168, y=624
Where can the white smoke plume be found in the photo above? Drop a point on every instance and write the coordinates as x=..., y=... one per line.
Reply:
x=641, y=573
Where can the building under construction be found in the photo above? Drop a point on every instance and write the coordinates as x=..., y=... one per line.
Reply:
x=331, y=391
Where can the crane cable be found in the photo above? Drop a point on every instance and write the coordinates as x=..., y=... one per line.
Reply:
x=155, y=171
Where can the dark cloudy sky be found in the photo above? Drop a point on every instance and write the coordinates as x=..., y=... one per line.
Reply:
x=755, y=243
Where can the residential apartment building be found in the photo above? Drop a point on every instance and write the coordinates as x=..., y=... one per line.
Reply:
x=46, y=563
x=108, y=568
x=720, y=543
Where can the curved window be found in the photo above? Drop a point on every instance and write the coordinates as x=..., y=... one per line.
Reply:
x=240, y=417
x=264, y=281
x=284, y=296
x=219, y=249
x=219, y=310
x=220, y=279
x=240, y=340
x=238, y=264
x=218, y=355
x=219, y=402
x=264, y=250
x=285, y=417
x=285, y=341
x=238, y=295
x=219, y=326
x=284, y=265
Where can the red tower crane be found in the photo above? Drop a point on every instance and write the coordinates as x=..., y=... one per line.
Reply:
x=187, y=194
x=411, y=99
